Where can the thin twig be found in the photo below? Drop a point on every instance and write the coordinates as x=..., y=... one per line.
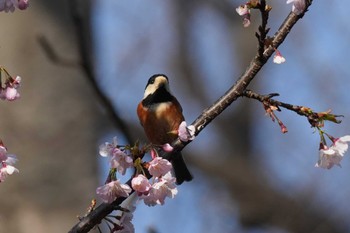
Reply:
x=268, y=98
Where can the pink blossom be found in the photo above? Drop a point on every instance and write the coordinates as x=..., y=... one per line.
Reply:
x=298, y=6
x=246, y=21
x=278, y=58
x=6, y=170
x=23, y=4
x=121, y=162
x=244, y=11
x=167, y=147
x=150, y=199
x=140, y=184
x=162, y=188
x=117, y=158
x=159, y=167
x=186, y=133
x=333, y=155
x=10, y=91
x=112, y=190
x=10, y=5
x=153, y=153
x=107, y=148
x=6, y=163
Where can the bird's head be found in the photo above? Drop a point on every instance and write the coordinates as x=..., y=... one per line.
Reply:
x=157, y=83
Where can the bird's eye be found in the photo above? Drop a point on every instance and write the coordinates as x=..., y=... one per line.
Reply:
x=151, y=80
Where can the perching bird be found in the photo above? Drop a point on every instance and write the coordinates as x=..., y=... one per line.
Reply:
x=160, y=115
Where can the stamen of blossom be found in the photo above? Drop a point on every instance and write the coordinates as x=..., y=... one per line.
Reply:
x=186, y=133
x=298, y=6
x=112, y=190
x=328, y=157
x=11, y=5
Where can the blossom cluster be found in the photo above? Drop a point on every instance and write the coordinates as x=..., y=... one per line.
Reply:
x=163, y=184
x=153, y=181
x=11, y=5
x=7, y=161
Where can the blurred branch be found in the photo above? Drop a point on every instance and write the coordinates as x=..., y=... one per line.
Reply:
x=86, y=65
x=52, y=55
x=261, y=205
x=208, y=114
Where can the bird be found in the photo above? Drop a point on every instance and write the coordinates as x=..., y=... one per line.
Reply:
x=160, y=114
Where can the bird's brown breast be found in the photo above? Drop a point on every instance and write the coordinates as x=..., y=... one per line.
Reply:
x=160, y=121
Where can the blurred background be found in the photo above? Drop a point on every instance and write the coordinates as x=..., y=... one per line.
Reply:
x=249, y=177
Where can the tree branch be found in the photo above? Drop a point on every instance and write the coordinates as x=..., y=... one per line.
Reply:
x=241, y=85
x=209, y=114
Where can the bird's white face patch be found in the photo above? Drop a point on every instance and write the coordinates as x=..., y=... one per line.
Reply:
x=151, y=88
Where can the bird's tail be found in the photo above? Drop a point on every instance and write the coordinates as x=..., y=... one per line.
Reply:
x=181, y=171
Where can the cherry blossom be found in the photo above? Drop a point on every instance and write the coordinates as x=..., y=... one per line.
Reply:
x=162, y=188
x=140, y=184
x=333, y=155
x=10, y=91
x=278, y=58
x=159, y=167
x=6, y=163
x=244, y=11
x=186, y=133
x=112, y=190
x=117, y=158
